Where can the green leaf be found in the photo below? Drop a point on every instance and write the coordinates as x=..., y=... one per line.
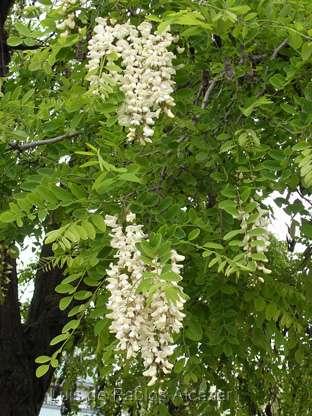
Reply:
x=294, y=39
x=7, y=217
x=52, y=236
x=193, y=330
x=306, y=229
x=299, y=355
x=23, y=29
x=131, y=177
x=68, y=41
x=214, y=261
x=214, y=246
x=256, y=232
x=91, y=281
x=306, y=51
x=42, y=370
x=14, y=41
x=54, y=363
x=259, y=304
x=236, y=243
x=170, y=276
x=98, y=221
x=193, y=234
x=82, y=295
x=59, y=338
x=162, y=410
x=71, y=325
x=231, y=234
x=239, y=10
x=258, y=102
x=179, y=366
x=145, y=286
x=81, y=231
x=76, y=309
x=229, y=191
x=65, y=302
x=64, y=288
x=230, y=207
x=185, y=18
x=89, y=228
x=72, y=278
x=259, y=257
x=278, y=81
x=100, y=326
x=42, y=359
x=103, y=185
x=271, y=312
x=172, y=293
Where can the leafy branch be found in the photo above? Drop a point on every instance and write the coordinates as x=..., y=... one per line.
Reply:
x=20, y=147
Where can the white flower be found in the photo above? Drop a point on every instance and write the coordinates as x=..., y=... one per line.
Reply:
x=110, y=220
x=68, y=22
x=176, y=257
x=146, y=73
x=130, y=217
x=141, y=324
x=148, y=132
x=151, y=371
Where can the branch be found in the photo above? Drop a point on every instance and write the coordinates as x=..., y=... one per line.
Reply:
x=273, y=56
x=208, y=92
x=31, y=145
x=278, y=48
x=24, y=47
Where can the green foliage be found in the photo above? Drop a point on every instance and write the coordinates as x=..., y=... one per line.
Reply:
x=246, y=333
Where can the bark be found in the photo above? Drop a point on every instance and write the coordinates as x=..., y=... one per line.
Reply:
x=21, y=393
x=5, y=6
x=12, y=366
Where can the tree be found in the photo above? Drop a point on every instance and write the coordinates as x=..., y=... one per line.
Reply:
x=71, y=157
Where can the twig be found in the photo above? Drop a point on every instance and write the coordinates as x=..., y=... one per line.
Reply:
x=304, y=197
x=31, y=145
x=23, y=47
x=208, y=92
x=273, y=56
x=278, y=48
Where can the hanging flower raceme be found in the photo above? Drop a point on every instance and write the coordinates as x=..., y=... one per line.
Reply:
x=68, y=11
x=145, y=302
x=144, y=75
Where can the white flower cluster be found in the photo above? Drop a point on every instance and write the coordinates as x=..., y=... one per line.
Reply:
x=141, y=323
x=68, y=22
x=145, y=77
x=256, y=239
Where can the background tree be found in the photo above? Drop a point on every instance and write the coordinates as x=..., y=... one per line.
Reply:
x=241, y=130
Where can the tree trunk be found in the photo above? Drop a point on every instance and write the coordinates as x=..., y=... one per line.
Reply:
x=5, y=6
x=21, y=393
x=12, y=365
